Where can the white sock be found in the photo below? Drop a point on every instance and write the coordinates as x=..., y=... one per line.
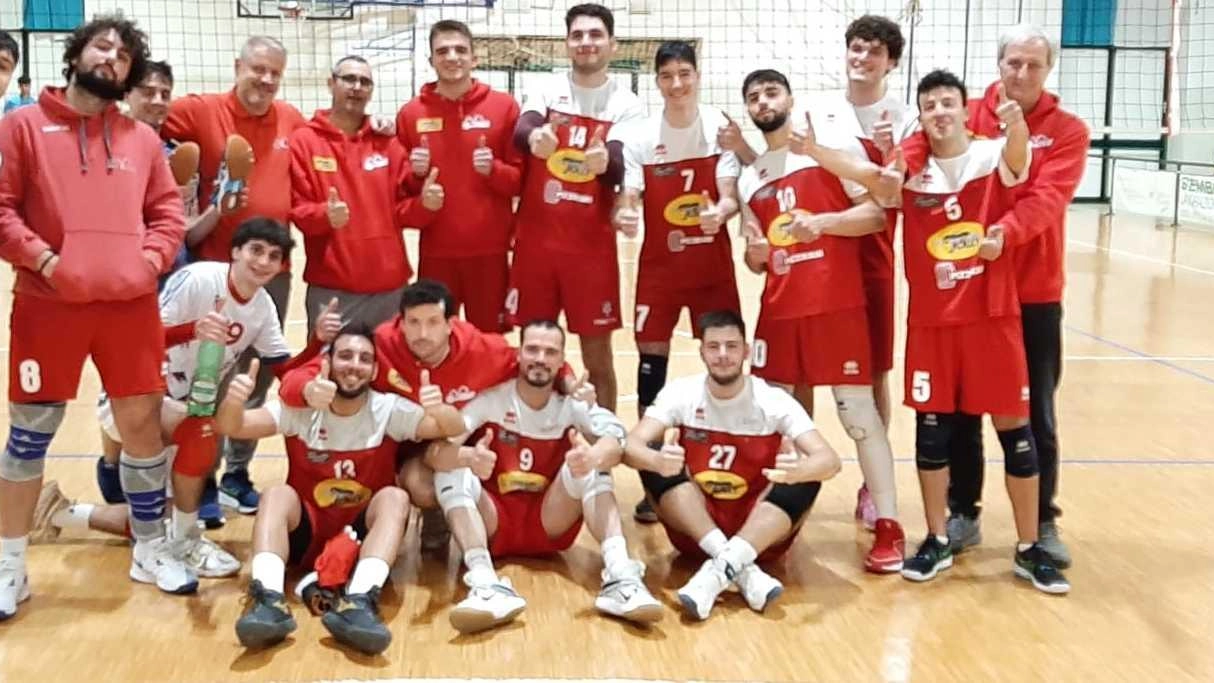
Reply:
x=1021, y=547
x=269, y=569
x=74, y=516
x=184, y=523
x=370, y=572
x=14, y=547
x=713, y=543
x=480, y=567
x=738, y=553
x=942, y=540
x=615, y=552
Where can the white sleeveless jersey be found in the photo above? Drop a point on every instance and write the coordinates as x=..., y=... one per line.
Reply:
x=654, y=141
x=190, y=294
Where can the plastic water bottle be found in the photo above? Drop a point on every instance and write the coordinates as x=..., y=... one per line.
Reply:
x=204, y=387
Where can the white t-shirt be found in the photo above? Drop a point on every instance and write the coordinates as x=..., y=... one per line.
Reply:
x=832, y=111
x=653, y=140
x=503, y=407
x=611, y=101
x=382, y=416
x=759, y=410
x=980, y=159
x=190, y=294
x=777, y=163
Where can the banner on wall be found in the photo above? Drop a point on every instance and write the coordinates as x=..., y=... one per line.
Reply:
x=1196, y=193
x=1144, y=192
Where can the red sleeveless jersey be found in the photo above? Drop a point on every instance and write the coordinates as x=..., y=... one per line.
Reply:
x=676, y=252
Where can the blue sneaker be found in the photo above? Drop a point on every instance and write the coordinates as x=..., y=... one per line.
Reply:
x=209, y=510
x=236, y=491
x=110, y=482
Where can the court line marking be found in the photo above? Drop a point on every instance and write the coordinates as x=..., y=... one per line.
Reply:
x=1140, y=257
x=498, y=680
x=1146, y=356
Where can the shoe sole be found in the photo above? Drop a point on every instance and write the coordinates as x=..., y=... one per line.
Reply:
x=940, y=566
x=690, y=608
x=646, y=614
x=474, y=621
x=883, y=568
x=238, y=156
x=1060, y=589
x=365, y=641
x=184, y=162
x=216, y=573
x=229, y=501
x=258, y=634
x=142, y=575
x=772, y=596
x=646, y=518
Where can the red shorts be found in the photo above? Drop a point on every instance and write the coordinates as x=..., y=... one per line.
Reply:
x=316, y=527
x=520, y=527
x=827, y=349
x=49, y=341
x=658, y=308
x=587, y=289
x=729, y=518
x=477, y=282
x=978, y=368
x=879, y=297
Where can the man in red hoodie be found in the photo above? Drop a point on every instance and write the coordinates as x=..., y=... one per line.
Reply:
x=462, y=128
x=1036, y=225
x=347, y=200
x=90, y=216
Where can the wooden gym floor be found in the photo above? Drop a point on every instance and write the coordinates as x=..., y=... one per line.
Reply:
x=1137, y=470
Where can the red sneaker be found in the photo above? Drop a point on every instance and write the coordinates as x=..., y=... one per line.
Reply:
x=889, y=548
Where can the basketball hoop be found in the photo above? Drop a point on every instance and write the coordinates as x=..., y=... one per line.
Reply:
x=291, y=9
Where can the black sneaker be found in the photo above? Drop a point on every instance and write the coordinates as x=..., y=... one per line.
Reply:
x=355, y=621
x=931, y=558
x=1036, y=565
x=209, y=509
x=267, y=621
x=644, y=513
x=236, y=491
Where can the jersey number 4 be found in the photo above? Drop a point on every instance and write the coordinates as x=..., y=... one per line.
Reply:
x=721, y=456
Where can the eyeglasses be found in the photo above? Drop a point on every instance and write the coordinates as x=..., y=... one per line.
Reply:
x=350, y=80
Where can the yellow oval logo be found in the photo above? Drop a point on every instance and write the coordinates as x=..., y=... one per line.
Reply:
x=569, y=165
x=721, y=485
x=956, y=242
x=777, y=231
x=526, y=482
x=342, y=493
x=684, y=210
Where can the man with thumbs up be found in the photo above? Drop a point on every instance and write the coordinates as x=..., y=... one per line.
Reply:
x=347, y=199
x=721, y=483
x=462, y=127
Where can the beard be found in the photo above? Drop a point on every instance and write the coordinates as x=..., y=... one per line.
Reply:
x=725, y=379
x=99, y=86
x=353, y=393
x=774, y=124
x=540, y=379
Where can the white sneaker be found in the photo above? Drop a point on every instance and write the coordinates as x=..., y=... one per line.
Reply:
x=204, y=556
x=155, y=562
x=758, y=587
x=487, y=606
x=625, y=595
x=700, y=593
x=50, y=501
x=14, y=586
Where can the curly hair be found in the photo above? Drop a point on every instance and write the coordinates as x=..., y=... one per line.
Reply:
x=134, y=40
x=872, y=27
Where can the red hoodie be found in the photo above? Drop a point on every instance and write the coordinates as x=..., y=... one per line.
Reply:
x=477, y=217
x=1035, y=227
x=94, y=190
x=367, y=254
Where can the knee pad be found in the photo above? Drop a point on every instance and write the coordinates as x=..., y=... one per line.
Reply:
x=587, y=487
x=656, y=485
x=32, y=426
x=197, y=447
x=651, y=377
x=933, y=432
x=858, y=411
x=1019, y=452
x=794, y=499
x=457, y=489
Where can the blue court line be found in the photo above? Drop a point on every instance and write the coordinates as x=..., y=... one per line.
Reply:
x=1142, y=354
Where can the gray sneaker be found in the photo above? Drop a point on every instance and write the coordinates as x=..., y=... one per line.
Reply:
x=963, y=531
x=1047, y=538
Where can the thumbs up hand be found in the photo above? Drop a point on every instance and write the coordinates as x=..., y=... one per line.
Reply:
x=583, y=390
x=803, y=142
x=337, y=210
x=891, y=178
x=791, y=468
x=627, y=220
x=596, y=153
x=757, y=247
x=214, y=325
x=991, y=245
x=883, y=133
x=579, y=457
x=542, y=141
x=711, y=217
x=482, y=157
x=671, y=458
x=1008, y=111
x=319, y=392
x=329, y=322
x=483, y=457
x=241, y=386
x=432, y=191
x=429, y=395
x=419, y=158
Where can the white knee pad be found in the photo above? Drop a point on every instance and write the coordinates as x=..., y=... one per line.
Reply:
x=587, y=487
x=457, y=489
x=858, y=411
x=32, y=426
x=105, y=417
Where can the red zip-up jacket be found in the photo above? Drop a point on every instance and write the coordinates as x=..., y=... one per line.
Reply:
x=1035, y=227
x=95, y=190
x=477, y=218
x=367, y=254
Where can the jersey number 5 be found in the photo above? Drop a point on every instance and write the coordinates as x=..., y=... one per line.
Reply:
x=952, y=208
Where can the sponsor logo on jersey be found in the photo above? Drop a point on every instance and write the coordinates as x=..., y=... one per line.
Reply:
x=341, y=493
x=317, y=457
x=699, y=414
x=684, y=210
x=506, y=438
x=375, y=161
x=664, y=170
x=851, y=367
x=429, y=125
x=397, y=382
x=555, y=193
x=765, y=193
x=956, y=241
x=696, y=435
x=660, y=150
x=569, y=165
x=476, y=122
x=777, y=231
x=608, y=315
x=511, y=417
x=1040, y=140
x=463, y=393
x=721, y=485
x=324, y=164
x=925, y=202
x=120, y=164
x=948, y=275
x=521, y=482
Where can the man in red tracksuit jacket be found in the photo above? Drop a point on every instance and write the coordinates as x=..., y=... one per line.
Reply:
x=347, y=200
x=90, y=217
x=457, y=133
x=1035, y=228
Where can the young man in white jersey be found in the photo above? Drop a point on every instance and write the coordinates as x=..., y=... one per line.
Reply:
x=813, y=326
x=684, y=186
x=722, y=485
x=541, y=479
x=565, y=250
x=341, y=474
x=207, y=301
